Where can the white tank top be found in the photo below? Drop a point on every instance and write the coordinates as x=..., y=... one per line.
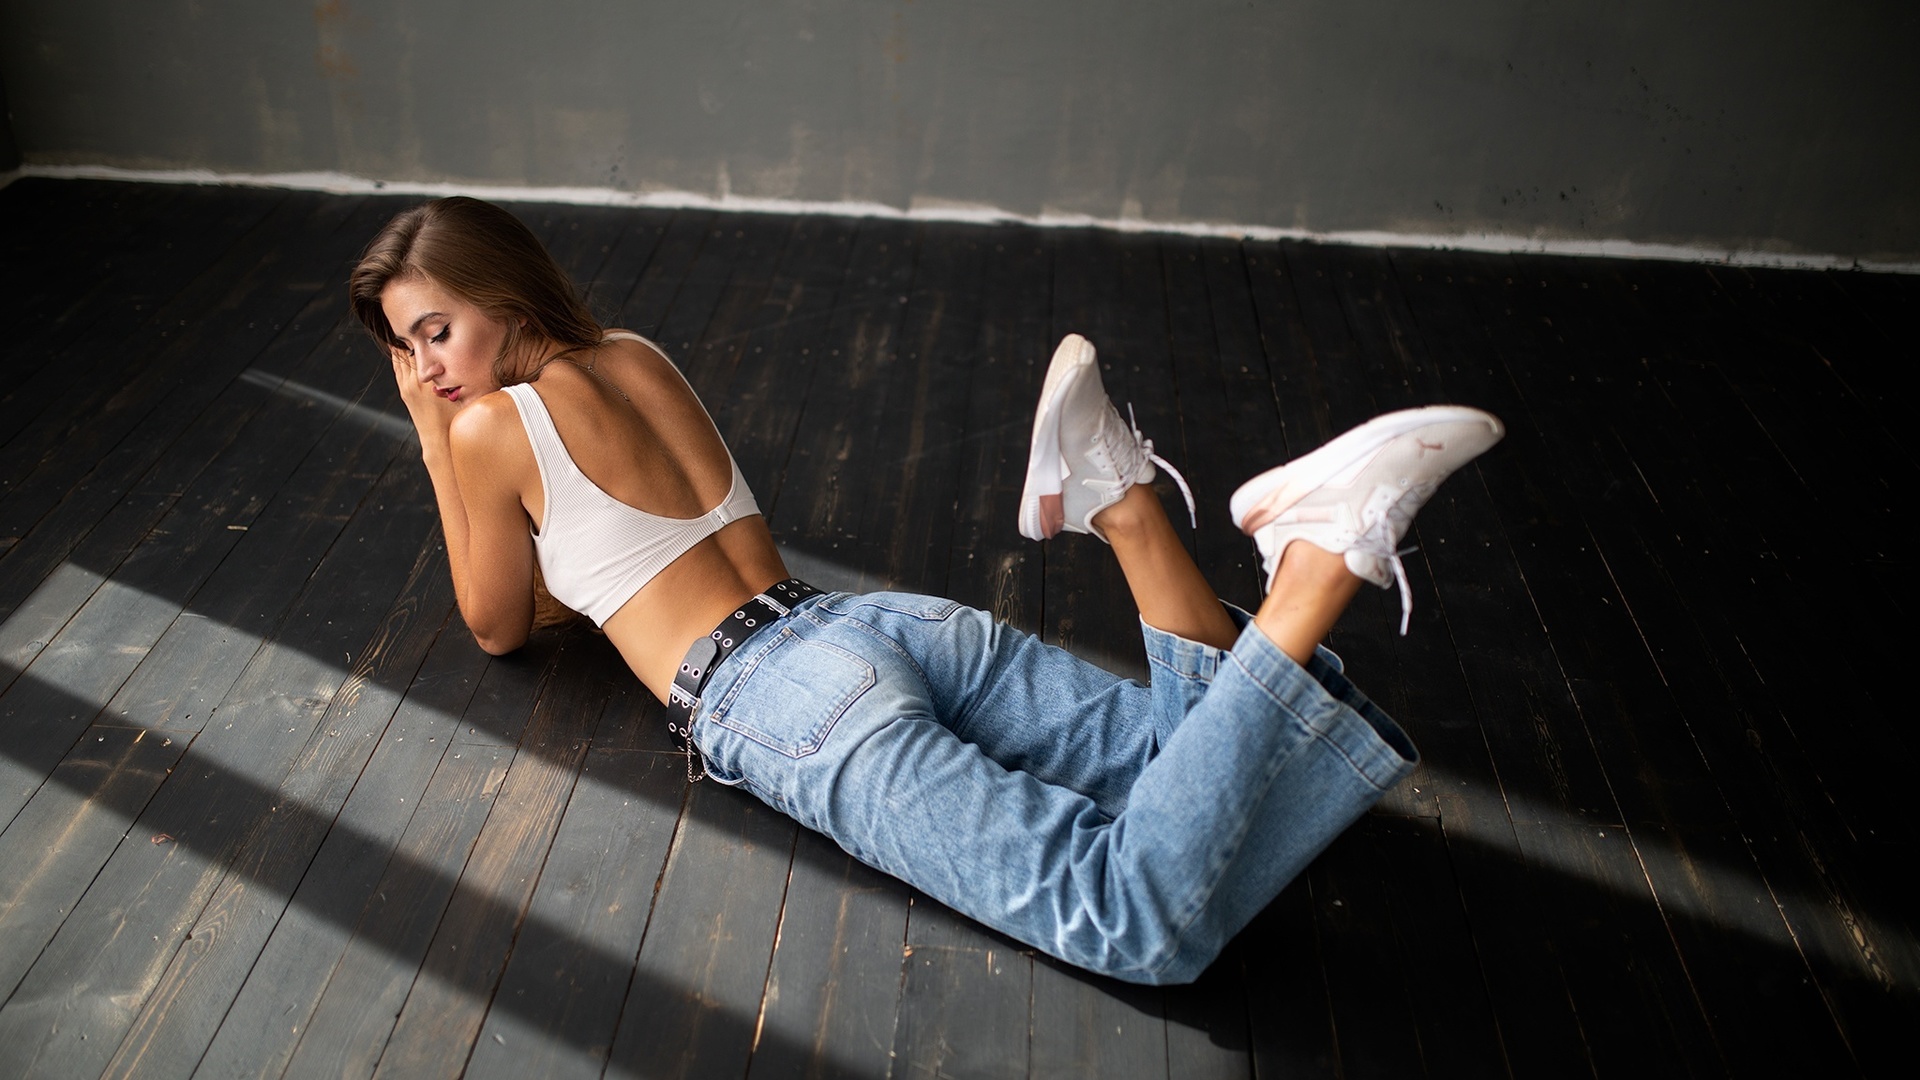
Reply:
x=595, y=551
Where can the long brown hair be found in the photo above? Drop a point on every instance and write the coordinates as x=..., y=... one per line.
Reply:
x=485, y=256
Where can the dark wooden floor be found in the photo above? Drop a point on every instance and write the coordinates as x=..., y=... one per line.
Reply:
x=268, y=811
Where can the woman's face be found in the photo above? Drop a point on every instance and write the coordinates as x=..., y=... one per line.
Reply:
x=453, y=343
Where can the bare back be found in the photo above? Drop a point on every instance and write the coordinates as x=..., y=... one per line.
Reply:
x=659, y=454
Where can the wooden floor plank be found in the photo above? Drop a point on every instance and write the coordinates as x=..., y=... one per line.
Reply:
x=559, y=997
x=166, y=572
x=1639, y=1015
x=1825, y=314
x=1372, y=1000
x=112, y=378
x=1087, y=1026
x=1784, y=370
x=1084, y=592
x=899, y=362
x=61, y=242
x=683, y=303
x=1858, y=942
x=1207, y=1023
x=489, y=908
x=904, y=526
x=143, y=595
x=1742, y=961
x=1458, y=1030
x=394, y=924
x=702, y=969
x=1884, y=303
x=1541, y=1032
x=725, y=340
x=1392, y=670
x=125, y=447
x=1111, y=289
x=192, y=998
x=348, y=1029
x=1546, y=765
x=833, y=987
x=163, y=273
x=965, y=992
x=632, y=251
x=1652, y=765
x=1602, y=458
x=1748, y=476
x=56, y=846
x=964, y=1011
x=272, y=1008
x=1239, y=416
x=842, y=430
x=990, y=565
x=208, y=805
x=1289, y=1011
x=580, y=238
x=1655, y=769
x=1767, y=789
x=767, y=392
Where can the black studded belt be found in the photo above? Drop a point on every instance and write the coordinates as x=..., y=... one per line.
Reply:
x=706, y=653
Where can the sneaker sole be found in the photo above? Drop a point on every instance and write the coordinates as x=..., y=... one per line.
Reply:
x=1043, y=485
x=1270, y=494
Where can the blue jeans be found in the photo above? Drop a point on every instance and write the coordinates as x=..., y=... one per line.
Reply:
x=1125, y=829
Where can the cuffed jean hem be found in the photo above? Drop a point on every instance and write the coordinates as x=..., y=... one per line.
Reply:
x=1183, y=669
x=1294, y=755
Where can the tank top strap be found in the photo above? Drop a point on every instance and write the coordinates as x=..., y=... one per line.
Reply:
x=548, y=450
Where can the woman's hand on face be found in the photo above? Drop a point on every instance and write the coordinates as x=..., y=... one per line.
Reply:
x=432, y=414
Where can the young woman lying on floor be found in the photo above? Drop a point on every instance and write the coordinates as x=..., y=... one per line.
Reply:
x=1127, y=829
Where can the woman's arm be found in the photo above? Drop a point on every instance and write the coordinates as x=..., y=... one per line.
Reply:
x=470, y=456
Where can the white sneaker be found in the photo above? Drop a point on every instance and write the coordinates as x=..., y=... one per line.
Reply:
x=1084, y=457
x=1357, y=495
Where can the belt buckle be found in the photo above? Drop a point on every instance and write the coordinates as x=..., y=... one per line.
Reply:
x=697, y=665
x=683, y=697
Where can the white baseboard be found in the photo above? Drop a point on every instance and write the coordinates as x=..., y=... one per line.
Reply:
x=343, y=184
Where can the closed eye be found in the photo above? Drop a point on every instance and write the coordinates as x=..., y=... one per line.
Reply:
x=441, y=337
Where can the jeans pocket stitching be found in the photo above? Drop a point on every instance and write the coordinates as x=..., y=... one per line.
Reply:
x=814, y=734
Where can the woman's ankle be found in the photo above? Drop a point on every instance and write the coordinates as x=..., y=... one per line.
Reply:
x=1133, y=516
x=1311, y=589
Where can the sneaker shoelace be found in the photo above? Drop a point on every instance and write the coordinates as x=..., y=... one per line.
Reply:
x=1145, y=446
x=1379, y=537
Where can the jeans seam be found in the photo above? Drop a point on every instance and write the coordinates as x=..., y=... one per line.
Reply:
x=1217, y=873
x=877, y=634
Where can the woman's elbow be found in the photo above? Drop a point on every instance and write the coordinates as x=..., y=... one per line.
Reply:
x=499, y=640
x=499, y=645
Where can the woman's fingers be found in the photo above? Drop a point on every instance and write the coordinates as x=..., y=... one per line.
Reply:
x=431, y=414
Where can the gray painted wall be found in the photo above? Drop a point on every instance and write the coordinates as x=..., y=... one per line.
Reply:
x=1782, y=125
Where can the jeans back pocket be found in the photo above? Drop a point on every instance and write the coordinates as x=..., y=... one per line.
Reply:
x=792, y=693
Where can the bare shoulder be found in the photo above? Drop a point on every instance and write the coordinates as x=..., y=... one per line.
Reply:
x=641, y=356
x=643, y=370
x=489, y=428
x=632, y=343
